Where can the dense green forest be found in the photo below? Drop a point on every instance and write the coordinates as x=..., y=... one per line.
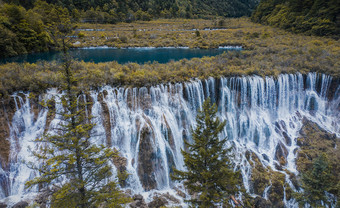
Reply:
x=129, y=10
x=23, y=23
x=313, y=17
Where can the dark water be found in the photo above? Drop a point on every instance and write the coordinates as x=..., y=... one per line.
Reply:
x=139, y=55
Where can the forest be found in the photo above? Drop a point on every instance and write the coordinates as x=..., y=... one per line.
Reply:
x=317, y=17
x=23, y=23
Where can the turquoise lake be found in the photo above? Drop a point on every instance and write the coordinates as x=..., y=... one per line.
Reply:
x=122, y=56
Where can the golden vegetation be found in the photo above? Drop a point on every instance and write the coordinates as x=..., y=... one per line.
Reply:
x=268, y=52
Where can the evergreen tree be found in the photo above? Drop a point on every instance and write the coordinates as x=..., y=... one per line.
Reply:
x=73, y=170
x=209, y=169
x=316, y=182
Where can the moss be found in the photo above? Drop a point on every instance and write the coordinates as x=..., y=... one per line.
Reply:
x=277, y=191
x=263, y=177
x=313, y=142
x=260, y=175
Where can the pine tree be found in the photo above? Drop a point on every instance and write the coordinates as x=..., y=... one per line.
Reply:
x=316, y=182
x=73, y=170
x=209, y=169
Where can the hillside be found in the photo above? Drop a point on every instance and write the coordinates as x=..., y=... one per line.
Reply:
x=122, y=10
x=312, y=17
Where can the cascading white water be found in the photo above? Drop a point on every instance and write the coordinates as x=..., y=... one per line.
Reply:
x=263, y=114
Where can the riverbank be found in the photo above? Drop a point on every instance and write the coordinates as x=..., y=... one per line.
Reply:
x=268, y=52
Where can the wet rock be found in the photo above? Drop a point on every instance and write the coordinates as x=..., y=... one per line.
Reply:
x=278, y=166
x=170, y=159
x=248, y=153
x=262, y=203
x=3, y=205
x=5, y=183
x=185, y=136
x=106, y=122
x=147, y=159
x=138, y=197
x=283, y=125
x=158, y=201
x=138, y=202
x=120, y=163
x=298, y=114
x=35, y=106
x=51, y=113
x=7, y=111
x=105, y=93
x=145, y=102
x=171, y=198
x=41, y=199
x=166, y=130
x=88, y=102
x=180, y=193
x=281, y=153
x=287, y=138
x=130, y=99
x=21, y=204
x=277, y=128
x=265, y=157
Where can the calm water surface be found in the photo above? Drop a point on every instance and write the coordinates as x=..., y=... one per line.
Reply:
x=138, y=55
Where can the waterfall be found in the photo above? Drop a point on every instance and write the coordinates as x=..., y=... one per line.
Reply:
x=149, y=125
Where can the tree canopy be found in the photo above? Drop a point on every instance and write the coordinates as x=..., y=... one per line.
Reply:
x=314, y=17
x=209, y=171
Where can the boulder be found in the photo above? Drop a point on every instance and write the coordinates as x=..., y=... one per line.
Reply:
x=138, y=202
x=21, y=204
x=158, y=201
x=171, y=198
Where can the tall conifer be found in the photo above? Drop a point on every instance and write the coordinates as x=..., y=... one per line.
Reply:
x=72, y=170
x=209, y=171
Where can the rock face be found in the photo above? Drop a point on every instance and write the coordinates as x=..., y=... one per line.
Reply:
x=281, y=154
x=106, y=121
x=7, y=110
x=21, y=204
x=147, y=159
